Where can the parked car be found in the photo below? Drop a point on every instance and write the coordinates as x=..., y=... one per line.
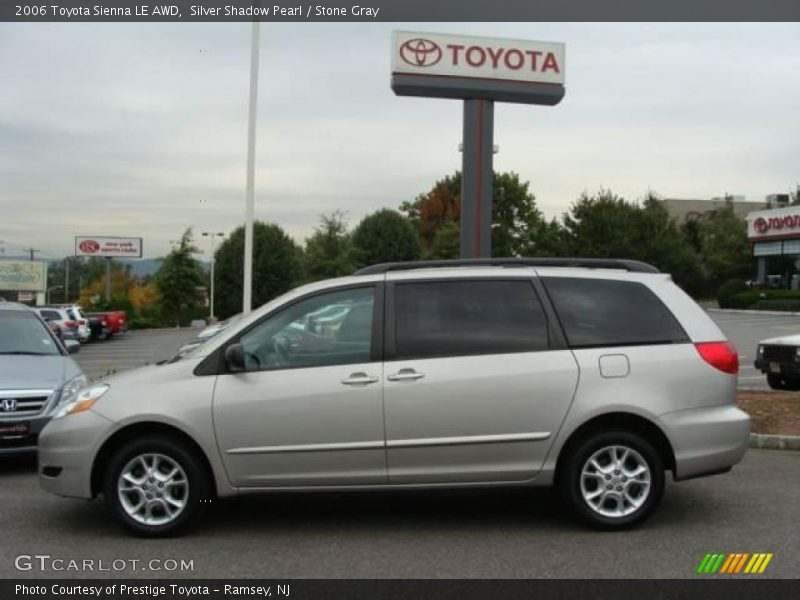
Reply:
x=205, y=334
x=115, y=320
x=55, y=329
x=61, y=317
x=597, y=376
x=779, y=359
x=98, y=327
x=37, y=377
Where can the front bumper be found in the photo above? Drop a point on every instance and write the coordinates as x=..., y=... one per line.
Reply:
x=67, y=448
x=23, y=444
x=784, y=369
x=706, y=440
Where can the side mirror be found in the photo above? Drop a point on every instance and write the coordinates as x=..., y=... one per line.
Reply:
x=72, y=346
x=234, y=358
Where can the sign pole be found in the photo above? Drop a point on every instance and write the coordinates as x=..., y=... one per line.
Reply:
x=247, y=292
x=477, y=173
x=108, y=279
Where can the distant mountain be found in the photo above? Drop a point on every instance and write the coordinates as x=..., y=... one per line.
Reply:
x=142, y=267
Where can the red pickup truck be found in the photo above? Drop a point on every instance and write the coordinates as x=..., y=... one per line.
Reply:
x=115, y=321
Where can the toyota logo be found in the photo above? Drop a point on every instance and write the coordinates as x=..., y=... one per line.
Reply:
x=89, y=246
x=420, y=52
x=9, y=404
x=761, y=225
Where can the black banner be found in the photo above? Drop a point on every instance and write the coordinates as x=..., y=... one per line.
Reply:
x=394, y=10
x=298, y=589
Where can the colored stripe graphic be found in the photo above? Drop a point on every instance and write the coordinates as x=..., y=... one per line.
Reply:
x=703, y=563
x=727, y=565
x=764, y=564
x=735, y=563
x=741, y=561
x=717, y=563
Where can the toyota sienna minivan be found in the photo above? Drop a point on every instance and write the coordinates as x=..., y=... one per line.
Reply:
x=597, y=376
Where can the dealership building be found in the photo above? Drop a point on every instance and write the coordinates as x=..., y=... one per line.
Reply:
x=775, y=235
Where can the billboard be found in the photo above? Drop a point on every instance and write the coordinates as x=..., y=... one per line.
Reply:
x=446, y=55
x=109, y=247
x=23, y=275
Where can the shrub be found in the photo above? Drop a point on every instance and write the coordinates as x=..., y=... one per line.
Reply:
x=143, y=323
x=762, y=299
x=728, y=290
x=778, y=304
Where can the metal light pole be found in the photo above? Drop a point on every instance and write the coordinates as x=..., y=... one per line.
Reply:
x=247, y=292
x=212, y=235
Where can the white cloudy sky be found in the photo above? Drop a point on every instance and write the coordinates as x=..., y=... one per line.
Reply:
x=140, y=130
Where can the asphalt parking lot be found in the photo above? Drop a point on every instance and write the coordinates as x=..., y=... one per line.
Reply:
x=746, y=330
x=505, y=534
x=130, y=350
x=486, y=534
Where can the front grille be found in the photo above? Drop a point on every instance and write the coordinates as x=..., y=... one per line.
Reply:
x=782, y=354
x=22, y=403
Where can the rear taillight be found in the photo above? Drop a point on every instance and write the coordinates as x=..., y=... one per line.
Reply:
x=81, y=322
x=720, y=355
x=69, y=323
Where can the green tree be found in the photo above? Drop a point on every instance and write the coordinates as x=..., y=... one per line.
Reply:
x=329, y=251
x=277, y=267
x=384, y=236
x=178, y=279
x=608, y=226
x=514, y=214
x=446, y=242
x=723, y=247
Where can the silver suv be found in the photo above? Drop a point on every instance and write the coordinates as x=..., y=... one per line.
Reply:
x=37, y=377
x=596, y=376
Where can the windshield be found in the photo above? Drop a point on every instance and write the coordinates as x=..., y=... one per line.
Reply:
x=22, y=333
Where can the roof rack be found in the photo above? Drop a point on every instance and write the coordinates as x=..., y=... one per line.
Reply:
x=634, y=266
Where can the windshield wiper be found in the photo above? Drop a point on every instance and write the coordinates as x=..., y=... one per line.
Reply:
x=27, y=353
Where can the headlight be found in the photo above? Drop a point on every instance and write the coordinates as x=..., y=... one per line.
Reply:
x=761, y=351
x=82, y=399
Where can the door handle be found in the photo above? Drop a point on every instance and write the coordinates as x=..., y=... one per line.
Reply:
x=405, y=375
x=359, y=379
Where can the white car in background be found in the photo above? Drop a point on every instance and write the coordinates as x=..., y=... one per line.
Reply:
x=66, y=322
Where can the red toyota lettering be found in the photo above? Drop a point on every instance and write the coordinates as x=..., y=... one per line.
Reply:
x=550, y=63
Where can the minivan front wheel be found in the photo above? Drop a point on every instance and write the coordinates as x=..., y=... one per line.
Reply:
x=613, y=479
x=155, y=486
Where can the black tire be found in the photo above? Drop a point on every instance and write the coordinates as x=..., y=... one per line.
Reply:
x=570, y=475
x=196, y=476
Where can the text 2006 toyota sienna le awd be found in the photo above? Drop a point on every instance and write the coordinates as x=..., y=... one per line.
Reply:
x=595, y=376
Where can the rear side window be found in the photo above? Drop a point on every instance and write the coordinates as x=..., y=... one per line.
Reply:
x=50, y=314
x=459, y=318
x=601, y=312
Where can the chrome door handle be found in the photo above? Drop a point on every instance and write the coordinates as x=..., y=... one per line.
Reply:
x=405, y=375
x=359, y=379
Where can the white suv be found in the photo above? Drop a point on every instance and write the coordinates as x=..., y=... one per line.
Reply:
x=594, y=375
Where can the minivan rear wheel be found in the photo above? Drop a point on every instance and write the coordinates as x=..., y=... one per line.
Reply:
x=155, y=486
x=613, y=479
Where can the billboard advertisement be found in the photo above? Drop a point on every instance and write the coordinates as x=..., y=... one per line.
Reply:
x=23, y=275
x=109, y=247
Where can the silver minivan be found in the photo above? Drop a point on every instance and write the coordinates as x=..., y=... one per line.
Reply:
x=597, y=376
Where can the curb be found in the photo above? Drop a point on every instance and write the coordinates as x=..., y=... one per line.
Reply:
x=741, y=311
x=775, y=442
